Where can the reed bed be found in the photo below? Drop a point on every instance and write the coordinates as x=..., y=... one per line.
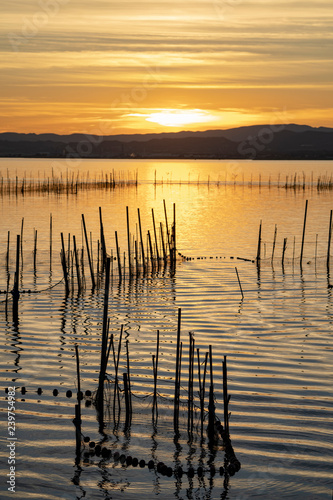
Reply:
x=74, y=183
x=68, y=183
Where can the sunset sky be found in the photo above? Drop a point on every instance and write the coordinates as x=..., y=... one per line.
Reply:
x=109, y=67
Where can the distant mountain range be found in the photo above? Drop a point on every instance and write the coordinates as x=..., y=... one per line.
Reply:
x=254, y=142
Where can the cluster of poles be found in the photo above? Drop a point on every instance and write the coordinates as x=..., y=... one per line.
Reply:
x=301, y=257
x=103, y=401
x=140, y=259
x=142, y=256
x=69, y=183
x=296, y=182
x=215, y=428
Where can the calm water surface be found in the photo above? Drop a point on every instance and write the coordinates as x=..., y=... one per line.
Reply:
x=278, y=339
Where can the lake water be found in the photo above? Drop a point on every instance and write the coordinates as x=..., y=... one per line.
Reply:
x=278, y=339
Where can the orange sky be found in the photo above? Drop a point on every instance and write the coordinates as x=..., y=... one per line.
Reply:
x=153, y=66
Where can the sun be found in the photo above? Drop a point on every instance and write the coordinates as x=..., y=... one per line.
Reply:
x=179, y=118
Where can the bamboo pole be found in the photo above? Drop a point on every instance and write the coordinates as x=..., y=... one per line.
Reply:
x=151, y=250
x=129, y=380
x=284, y=250
x=226, y=398
x=77, y=265
x=154, y=226
x=274, y=242
x=21, y=239
x=211, y=405
x=35, y=249
x=128, y=243
x=162, y=241
x=329, y=242
x=127, y=402
x=141, y=243
x=174, y=247
x=240, y=286
x=88, y=253
x=167, y=227
x=303, y=235
x=77, y=421
x=50, y=241
x=104, y=328
x=15, y=292
x=118, y=256
x=155, y=368
x=63, y=262
x=7, y=254
x=259, y=245
x=177, y=377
